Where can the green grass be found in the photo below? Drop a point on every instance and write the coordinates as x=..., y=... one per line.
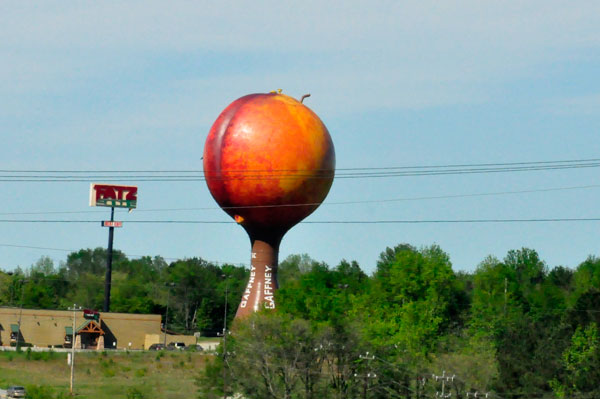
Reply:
x=104, y=375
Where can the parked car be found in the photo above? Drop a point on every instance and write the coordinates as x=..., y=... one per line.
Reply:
x=176, y=345
x=15, y=392
x=156, y=347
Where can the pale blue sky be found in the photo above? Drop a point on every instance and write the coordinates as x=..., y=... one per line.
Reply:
x=137, y=85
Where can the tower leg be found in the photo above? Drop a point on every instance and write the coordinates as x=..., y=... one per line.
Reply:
x=262, y=284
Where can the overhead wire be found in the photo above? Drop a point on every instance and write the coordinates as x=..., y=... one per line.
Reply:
x=279, y=174
x=439, y=166
x=398, y=221
x=342, y=172
x=326, y=203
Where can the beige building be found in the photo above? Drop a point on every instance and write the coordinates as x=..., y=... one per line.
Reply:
x=53, y=328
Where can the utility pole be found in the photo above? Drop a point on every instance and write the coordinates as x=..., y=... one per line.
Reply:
x=505, y=294
x=18, y=346
x=169, y=285
x=108, y=278
x=420, y=386
x=74, y=309
x=12, y=289
x=478, y=395
x=444, y=379
x=225, y=341
x=369, y=374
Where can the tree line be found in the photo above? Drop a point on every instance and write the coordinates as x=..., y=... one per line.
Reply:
x=193, y=290
x=512, y=328
x=414, y=328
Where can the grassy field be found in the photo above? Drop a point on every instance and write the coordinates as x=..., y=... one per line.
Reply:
x=103, y=375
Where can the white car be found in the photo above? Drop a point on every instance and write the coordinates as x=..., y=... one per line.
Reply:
x=176, y=345
x=15, y=392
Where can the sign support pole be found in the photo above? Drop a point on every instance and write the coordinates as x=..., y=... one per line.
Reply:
x=108, y=278
x=112, y=196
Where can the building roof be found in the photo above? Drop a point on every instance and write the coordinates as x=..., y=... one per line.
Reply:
x=90, y=326
x=68, y=330
x=14, y=328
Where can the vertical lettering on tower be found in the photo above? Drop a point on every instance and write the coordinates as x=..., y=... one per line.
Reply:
x=268, y=289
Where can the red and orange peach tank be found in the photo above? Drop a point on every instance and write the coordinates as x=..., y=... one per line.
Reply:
x=269, y=162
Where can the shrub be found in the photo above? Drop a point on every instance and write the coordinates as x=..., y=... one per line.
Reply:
x=141, y=372
x=109, y=372
x=108, y=367
x=39, y=392
x=134, y=393
x=37, y=355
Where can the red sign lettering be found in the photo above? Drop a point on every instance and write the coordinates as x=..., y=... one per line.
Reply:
x=113, y=196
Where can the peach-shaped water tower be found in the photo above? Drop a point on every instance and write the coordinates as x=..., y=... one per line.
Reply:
x=269, y=162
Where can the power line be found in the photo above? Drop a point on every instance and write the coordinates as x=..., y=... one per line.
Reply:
x=450, y=221
x=52, y=212
x=291, y=170
x=34, y=247
x=128, y=222
x=275, y=174
x=327, y=203
x=405, y=221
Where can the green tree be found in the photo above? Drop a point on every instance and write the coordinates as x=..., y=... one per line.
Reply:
x=581, y=362
x=198, y=291
x=85, y=271
x=412, y=298
x=132, y=294
x=91, y=261
x=293, y=267
x=270, y=355
x=585, y=296
x=273, y=355
x=587, y=275
x=519, y=309
x=87, y=290
x=6, y=291
x=323, y=294
x=44, y=266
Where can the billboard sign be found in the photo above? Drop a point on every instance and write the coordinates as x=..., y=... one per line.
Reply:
x=113, y=196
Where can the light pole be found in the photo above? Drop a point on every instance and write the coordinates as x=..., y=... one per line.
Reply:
x=12, y=289
x=20, y=316
x=74, y=309
x=225, y=340
x=168, y=285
